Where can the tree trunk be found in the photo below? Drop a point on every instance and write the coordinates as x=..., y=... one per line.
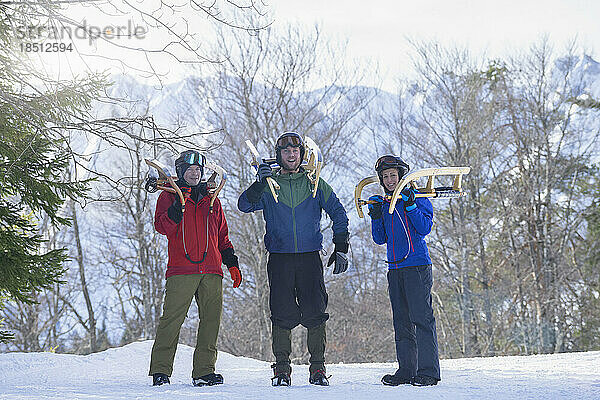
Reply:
x=91, y=322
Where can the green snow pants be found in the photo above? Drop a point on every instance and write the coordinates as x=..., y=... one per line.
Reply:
x=207, y=289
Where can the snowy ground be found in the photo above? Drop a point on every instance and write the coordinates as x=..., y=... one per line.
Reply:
x=121, y=373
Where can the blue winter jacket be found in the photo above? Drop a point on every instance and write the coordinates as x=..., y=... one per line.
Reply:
x=293, y=225
x=404, y=233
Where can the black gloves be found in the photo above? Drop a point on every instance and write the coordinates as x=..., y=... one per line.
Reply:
x=263, y=172
x=255, y=191
x=341, y=241
x=229, y=258
x=375, y=209
x=408, y=196
x=199, y=191
x=175, y=211
x=376, y=202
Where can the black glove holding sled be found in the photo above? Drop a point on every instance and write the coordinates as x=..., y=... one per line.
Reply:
x=338, y=256
x=175, y=211
x=255, y=190
x=263, y=172
x=375, y=209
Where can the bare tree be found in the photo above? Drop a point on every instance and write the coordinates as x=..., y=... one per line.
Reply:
x=265, y=87
x=58, y=109
x=553, y=141
x=502, y=250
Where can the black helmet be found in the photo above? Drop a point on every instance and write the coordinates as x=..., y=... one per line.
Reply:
x=387, y=162
x=187, y=159
x=288, y=139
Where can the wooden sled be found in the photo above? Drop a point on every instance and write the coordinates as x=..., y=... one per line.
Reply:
x=166, y=181
x=312, y=163
x=273, y=185
x=428, y=190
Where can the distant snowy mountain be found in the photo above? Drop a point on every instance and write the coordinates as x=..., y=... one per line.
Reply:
x=169, y=104
x=586, y=73
x=180, y=105
x=121, y=373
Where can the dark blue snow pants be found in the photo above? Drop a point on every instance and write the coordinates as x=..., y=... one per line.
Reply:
x=414, y=324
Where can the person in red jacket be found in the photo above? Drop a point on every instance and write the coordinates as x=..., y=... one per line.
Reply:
x=198, y=245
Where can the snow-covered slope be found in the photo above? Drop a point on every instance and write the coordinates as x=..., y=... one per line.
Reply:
x=121, y=373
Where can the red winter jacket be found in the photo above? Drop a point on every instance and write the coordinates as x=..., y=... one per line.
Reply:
x=194, y=221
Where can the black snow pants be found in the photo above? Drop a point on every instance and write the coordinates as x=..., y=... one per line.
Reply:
x=297, y=290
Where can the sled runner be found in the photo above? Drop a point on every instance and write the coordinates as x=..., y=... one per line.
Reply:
x=166, y=180
x=273, y=185
x=313, y=163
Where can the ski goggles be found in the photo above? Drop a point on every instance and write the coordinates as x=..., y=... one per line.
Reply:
x=193, y=157
x=293, y=139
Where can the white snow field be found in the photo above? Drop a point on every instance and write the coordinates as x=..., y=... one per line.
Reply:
x=121, y=373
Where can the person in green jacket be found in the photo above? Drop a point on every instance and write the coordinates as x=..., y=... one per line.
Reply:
x=293, y=239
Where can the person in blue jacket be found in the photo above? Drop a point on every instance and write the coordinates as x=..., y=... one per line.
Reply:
x=409, y=275
x=293, y=239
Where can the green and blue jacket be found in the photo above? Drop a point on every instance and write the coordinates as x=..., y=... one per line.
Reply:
x=293, y=225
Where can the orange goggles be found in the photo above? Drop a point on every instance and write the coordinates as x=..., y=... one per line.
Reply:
x=291, y=140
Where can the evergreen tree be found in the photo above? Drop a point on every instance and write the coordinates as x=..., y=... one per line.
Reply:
x=31, y=169
x=31, y=178
x=35, y=113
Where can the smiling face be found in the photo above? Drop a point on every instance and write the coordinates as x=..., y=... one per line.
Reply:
x=390, y=178
x=193, y=175
x=290, y=158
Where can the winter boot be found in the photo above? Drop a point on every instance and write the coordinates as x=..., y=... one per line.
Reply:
x=396, y=379
x=282, y=347
x=159, y=379
x=423, y=380
x=282, y=375
x=208, y=380
x=318, y=378
x=316, y=340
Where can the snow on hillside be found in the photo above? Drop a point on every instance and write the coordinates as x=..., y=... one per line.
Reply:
x=121, y=373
